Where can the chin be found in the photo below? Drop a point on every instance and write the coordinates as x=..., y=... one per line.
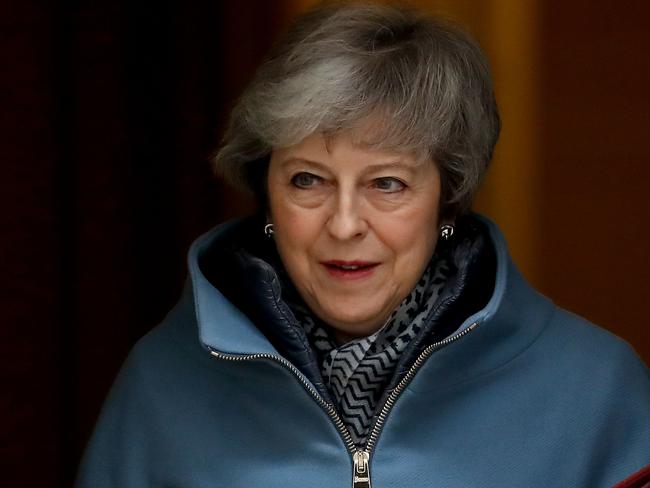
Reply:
x=352, y=315
x=357, y=325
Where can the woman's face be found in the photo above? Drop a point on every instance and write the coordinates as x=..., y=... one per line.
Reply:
x=354, y=227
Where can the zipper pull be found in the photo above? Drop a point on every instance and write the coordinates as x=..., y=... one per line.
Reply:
x=361, y=475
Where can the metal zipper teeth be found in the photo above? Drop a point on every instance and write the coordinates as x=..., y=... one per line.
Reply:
x=392, y=398
x=327, y=407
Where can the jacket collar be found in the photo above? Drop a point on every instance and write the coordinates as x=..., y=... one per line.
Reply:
x=222, y=326
x=500, y=335
x=514, y=317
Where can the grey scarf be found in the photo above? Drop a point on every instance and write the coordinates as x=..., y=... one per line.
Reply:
x=358, y=372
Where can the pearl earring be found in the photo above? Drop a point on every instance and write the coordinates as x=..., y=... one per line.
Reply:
x=446, y=231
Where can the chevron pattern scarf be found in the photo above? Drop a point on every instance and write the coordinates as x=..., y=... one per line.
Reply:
x=357, y=373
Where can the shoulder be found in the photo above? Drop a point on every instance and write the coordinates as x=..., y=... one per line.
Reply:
x=559, y=335
x=597, y=372
x=169, y=352
x=145, y=416
x=577, y=339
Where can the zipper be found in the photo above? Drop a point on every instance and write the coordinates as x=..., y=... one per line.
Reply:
x=360, y=457
x=327, y=407
x=361, y=475
x=394, y=395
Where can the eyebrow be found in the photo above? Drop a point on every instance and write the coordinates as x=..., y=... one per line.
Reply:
x=368, y=169
x=297, y=160
x=387, y=166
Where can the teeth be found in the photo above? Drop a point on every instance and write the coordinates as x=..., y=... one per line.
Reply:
x=350, y=267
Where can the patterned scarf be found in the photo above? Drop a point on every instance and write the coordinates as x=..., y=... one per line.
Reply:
x=357, y=373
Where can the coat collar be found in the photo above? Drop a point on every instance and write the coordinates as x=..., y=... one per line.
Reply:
x=500, y=335
x=514, y=317
x=222, y=326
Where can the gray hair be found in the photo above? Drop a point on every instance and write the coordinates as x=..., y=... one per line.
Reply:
x=425, y=82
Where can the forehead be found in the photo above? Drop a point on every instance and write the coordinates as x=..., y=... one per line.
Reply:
x=347, y=146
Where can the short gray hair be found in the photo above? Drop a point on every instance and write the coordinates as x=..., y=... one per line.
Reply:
x=426, y=81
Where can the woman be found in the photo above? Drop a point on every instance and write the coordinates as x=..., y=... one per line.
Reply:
x=364, y=327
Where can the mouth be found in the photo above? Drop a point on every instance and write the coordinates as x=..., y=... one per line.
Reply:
x=349, y=270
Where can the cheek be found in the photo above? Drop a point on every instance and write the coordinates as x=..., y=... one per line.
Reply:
x=412, y=235
x=295, y=231
x=413, y=242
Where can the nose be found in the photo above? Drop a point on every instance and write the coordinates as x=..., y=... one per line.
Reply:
x=346, y=220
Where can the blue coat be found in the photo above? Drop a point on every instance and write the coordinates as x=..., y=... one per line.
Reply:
x=524, y=394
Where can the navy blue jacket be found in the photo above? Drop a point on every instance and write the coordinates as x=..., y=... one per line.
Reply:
x=522, y=394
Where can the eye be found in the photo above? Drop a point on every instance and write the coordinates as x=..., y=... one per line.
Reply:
x=389, y=185
x=305, y=180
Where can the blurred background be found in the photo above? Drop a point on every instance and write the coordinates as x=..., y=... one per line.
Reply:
x=111, y=109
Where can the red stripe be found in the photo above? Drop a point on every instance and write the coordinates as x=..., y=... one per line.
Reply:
x=640, y=479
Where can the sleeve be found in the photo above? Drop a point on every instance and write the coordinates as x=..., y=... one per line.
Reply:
x=623, y=449
x=116, y=455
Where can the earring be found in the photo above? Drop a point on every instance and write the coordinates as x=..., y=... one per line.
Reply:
x=446, y=231
x=268, y=230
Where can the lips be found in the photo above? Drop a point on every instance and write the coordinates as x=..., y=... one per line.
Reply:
x=347, y=270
